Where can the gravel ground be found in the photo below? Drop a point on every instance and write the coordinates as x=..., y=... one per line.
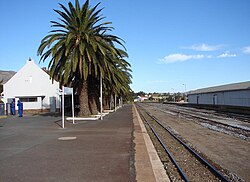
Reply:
x=228, y=152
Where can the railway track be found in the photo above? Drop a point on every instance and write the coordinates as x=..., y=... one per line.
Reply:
x=218, y=123
x=212, y=113
x=190, y=166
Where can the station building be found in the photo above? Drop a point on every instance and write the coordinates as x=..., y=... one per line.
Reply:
x=235, y=95
x=34, y=88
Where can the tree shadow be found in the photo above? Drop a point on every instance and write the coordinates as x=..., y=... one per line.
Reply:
x=48, y=114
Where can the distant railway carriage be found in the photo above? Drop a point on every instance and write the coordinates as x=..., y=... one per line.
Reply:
x=237, y=94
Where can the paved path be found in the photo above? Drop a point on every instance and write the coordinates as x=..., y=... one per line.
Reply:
x=147, y=163
x=102, y=151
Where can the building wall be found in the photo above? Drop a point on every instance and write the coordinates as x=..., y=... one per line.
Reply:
x=230, y=98
x=32, y=81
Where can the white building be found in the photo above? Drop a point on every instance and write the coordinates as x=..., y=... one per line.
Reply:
x=32, y=86
x=141, y=98
x=236, y=94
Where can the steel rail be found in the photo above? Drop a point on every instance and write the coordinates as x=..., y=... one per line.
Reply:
x=213, y=121
x=166, y=149
x=241, y=116
x=211, y=168
x=189, y=113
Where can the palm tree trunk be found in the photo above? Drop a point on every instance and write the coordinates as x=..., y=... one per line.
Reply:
x=93, y=95
x=105, y=103
x=110, y=102
x=84, y=100
x=93, y=104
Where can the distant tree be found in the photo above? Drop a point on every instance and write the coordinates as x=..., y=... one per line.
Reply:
x=169, y=97
x=179, y=96
x=141, y=93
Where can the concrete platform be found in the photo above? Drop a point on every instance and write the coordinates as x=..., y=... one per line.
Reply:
x=35, y=148
x=147, y=163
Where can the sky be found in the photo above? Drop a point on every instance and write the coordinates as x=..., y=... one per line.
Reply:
x=173, y=45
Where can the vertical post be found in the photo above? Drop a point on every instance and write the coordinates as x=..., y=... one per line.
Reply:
x=184, y=95
x=73, y=108
x=62, y=106
x=41, y=104
x=101, y=95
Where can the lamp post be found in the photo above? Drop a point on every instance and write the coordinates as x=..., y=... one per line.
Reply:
x=184, y=94
x=73, y=108
x=184, y=86
x=63, y=123
x=101, y=95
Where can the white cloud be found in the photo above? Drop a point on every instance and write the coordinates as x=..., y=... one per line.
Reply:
x=204, y=47
x=171, y=58
x=226, y=55
x=246, y=50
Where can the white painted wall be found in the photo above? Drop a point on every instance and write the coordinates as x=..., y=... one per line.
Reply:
x=32, y=81
x=229, y=98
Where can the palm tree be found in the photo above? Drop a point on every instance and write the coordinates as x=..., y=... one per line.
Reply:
x=79, y=50
x=118, y=83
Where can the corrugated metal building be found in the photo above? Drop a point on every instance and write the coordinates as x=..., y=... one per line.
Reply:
x=237, y=94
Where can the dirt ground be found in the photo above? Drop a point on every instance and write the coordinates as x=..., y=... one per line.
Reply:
x=231, y=153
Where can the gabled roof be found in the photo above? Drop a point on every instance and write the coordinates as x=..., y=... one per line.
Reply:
x=6, y=75
x=30, y=68
x=229, y=87
x=30, y=80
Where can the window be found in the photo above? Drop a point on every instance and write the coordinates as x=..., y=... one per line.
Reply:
x=28, y=99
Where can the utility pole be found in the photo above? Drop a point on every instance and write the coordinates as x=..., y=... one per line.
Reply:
x=184, y=94
x=63, y=123
x=73, y=107
x=101, y=94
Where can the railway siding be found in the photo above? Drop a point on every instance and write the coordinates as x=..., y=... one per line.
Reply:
x=183, y=157
x=229, y=153
x=239, y=127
